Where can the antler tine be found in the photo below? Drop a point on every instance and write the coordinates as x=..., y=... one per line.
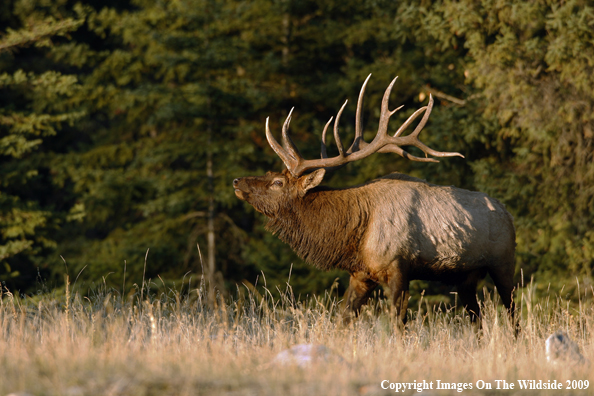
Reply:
x=392, y=148
x=359, y=143
x=425, y=117
x=385, y=113
x=427, y=109
x=323, y=149
x=409, y=121
x=289, y=160
x=336, y=135
x=287, y=142
x=278, y=149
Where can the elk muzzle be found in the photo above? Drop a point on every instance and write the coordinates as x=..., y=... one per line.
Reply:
x=239, y=192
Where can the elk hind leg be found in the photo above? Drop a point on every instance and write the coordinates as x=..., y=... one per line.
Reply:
x=467, y=294
x=505, y=286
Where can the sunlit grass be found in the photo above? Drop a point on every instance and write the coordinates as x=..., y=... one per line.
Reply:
x=178, y=343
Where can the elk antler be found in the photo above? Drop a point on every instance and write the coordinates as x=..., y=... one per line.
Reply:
x=382, y=143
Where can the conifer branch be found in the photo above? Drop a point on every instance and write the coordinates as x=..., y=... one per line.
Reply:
x=38, y=34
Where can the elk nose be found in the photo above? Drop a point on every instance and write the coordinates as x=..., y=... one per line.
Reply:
x=235, y=182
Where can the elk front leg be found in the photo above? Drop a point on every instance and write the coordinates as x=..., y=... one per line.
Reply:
x=357, y=294
x=398, y=285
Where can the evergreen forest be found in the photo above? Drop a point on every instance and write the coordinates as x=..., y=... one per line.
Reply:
x=123, y=124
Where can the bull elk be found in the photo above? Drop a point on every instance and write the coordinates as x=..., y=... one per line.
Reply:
x=390, y=230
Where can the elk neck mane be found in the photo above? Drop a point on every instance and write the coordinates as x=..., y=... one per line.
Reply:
x=325, y=227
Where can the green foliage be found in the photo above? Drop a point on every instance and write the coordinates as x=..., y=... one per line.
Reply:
x=111, y=114
x=528, y=68
x=29, y=113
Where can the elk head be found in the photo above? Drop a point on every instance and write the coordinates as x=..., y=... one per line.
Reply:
x=273, y=191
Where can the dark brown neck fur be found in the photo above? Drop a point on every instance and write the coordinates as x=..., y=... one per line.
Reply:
x=329, y=241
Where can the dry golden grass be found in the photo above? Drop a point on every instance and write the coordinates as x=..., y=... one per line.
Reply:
x=172, y=344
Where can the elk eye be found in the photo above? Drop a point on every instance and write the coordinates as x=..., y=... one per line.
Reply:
x=278, y=183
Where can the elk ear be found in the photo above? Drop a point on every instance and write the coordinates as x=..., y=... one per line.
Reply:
x=312, y=180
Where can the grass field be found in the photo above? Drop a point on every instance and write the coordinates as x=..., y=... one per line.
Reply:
x=177, y=343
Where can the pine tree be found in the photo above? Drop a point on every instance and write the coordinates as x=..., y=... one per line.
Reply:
x=164, y=96
x=28, y=116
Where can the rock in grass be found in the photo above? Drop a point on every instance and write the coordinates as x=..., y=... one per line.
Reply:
x=304, y=355
x=562, y=349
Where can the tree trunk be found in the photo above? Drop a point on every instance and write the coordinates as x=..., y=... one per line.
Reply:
x=210, y=226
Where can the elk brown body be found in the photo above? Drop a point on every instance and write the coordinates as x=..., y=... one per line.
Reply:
x=390, y=230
